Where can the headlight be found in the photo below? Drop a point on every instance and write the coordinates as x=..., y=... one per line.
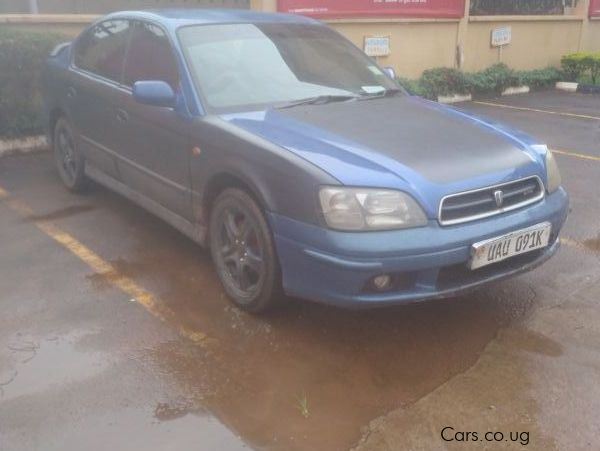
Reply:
x=552, y=173
x=369, y=209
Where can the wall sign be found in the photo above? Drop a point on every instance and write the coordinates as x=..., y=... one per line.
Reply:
x=501, y=36
x=347, y=8
x=377, y=45
x=594, y=8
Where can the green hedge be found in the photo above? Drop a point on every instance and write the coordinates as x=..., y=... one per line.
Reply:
x=493, y=80
x=581, y=66
x=22, y=55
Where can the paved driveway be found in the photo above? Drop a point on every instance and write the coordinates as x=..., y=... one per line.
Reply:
x=115, y=333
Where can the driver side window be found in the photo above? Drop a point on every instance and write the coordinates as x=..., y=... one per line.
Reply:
x=150, y=56
x=101, y=50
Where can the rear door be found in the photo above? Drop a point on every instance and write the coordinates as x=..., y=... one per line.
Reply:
x=154, y=146
x=93, y=90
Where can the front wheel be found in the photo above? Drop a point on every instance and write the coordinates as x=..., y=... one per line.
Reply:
x=68, y=158
x=243, y=251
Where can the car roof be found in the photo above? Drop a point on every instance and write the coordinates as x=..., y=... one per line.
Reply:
x=189, y=16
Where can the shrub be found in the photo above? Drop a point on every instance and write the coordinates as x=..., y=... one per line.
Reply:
x=22, y=56
x=593, y=64
x=495, y=79
x=443, y=81
x=412, y=86
x=574, y=65
x=538, y=78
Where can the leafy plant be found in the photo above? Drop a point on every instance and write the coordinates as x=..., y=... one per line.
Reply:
x=592, y=62
x=495, y=79
x=573, y=65
x=412, y=86
x=22, y=56
x=443, y=81
x=538, y=78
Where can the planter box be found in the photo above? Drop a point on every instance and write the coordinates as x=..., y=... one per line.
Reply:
x=454, y=98
x=567, y=86
x=588, y=89
x=23, y=145
x=512, y=90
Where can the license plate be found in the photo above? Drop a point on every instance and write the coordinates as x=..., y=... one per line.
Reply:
x=515, y=243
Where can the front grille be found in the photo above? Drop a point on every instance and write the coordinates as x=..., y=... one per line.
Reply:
x=481, y=203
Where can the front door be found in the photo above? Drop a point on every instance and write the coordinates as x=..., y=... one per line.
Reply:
x=154, y=148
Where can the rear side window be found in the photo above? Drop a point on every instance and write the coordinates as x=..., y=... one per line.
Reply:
x=101, y=50
x=150, y=56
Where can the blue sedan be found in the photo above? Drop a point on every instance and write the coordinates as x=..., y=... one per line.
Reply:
x=299, y=162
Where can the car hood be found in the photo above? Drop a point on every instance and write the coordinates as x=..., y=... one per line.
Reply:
x=401, y=142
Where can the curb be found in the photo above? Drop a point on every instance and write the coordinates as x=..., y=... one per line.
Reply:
x=454, y=98
x=512, y=90
x=567, y=86
x=23, y=145
x=577, y=87
x=588, y=89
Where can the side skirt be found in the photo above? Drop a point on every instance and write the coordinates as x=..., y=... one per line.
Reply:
x=195, y=232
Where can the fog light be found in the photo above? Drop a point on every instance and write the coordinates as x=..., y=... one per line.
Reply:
x=382, y=283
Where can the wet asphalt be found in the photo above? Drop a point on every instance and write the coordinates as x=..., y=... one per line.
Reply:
x=84, y=365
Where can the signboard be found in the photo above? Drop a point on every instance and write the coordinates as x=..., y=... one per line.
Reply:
x=355, y=8
x=501, y=36
x=594, y=8
x=377, y=45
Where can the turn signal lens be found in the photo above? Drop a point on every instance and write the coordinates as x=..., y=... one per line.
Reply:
x=553, y=177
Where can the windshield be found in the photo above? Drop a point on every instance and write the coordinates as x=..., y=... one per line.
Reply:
x=253, y=66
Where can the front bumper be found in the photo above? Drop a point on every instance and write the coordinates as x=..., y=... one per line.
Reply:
x=429, y=262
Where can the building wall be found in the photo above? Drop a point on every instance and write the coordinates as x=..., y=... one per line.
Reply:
x=535, y=43
x=592, y=42
x=416, y=44
x=105, y=6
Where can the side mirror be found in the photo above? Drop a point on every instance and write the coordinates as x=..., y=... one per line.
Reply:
x=390, y=72
x=154, y=93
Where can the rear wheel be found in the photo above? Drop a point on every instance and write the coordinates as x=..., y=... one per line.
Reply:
x=243, y=251
x=68, y=158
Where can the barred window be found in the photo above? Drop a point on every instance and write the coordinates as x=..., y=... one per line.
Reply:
x=519, y=7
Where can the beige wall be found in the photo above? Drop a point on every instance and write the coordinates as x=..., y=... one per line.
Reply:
x=535, y=43
x=592, y=41
x=415, y=46
x=419, y=44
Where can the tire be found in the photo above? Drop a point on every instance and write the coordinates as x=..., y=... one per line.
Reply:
x=243, y=252
x=69, y=160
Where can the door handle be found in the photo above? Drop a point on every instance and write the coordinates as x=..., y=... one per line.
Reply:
x=122, y=115
x=71, y=92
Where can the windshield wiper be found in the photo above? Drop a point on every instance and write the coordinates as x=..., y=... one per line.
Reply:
x=320, y=100
x=387, y=93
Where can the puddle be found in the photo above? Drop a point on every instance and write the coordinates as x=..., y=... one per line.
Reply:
x=593, y=244
x=307, y=376
x=531, y=341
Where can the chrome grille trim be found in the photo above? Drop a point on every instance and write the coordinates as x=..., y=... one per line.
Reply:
x=496, y=211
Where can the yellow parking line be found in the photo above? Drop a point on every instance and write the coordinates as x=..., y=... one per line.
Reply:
x=577, y=245
x=576, y=154
x=535, y=110
x=127, y=285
